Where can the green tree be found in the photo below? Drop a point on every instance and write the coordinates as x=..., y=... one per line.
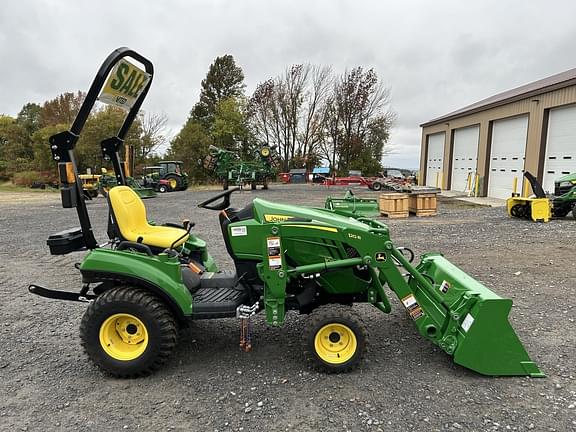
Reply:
x=100, y=125
x=15, y=146
x=230, y=129
x=29, y=117
x=224, y=80
x=41, y=148
x=191, y=147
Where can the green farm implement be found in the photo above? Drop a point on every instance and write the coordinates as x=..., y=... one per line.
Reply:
x=231, y=170
x=352, y=205
x=148, y=281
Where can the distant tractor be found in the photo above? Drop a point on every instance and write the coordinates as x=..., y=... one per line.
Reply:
x=231, y=170
x=171, y=171
x=152, y=179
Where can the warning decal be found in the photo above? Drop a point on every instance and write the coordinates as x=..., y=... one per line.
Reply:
x=274, y=253
x=412, y=306
x=444, y=287
x=467, y=323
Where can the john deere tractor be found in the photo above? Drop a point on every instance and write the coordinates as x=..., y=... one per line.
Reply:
x=147, y=281
x=166, y=173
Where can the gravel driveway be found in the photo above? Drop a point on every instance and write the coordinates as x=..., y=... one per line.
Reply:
x=47, y=383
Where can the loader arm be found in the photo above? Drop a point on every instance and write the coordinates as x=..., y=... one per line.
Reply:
x=457, y=313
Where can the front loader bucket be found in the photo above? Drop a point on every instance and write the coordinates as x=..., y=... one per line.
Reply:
x=468, y=320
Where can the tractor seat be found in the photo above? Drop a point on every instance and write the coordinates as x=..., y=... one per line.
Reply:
x=129, y=215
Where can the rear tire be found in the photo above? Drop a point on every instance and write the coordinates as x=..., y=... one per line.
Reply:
x=336, y=339
x=175, y=182
x=128, y=332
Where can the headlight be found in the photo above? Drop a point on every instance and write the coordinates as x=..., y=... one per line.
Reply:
x=565, y=184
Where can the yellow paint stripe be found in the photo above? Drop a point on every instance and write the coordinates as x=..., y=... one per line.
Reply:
x=323, y=228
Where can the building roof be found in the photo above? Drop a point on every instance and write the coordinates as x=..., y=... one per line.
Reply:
x=554, y=82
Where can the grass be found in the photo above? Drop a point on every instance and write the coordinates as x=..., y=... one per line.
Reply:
x=10, y=187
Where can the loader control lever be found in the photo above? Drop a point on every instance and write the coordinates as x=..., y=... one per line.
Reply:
x=225, y=196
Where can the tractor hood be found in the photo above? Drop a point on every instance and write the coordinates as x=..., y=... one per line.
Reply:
x=567, y=178
x=270, y=212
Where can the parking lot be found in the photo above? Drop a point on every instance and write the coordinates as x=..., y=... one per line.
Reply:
x=47, y=382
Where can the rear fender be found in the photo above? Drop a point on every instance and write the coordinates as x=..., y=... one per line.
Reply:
x=160, y=273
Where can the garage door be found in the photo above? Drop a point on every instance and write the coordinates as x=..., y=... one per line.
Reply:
x=507, y=156
x=464, y=157
x=435, y=158
x=560, y=145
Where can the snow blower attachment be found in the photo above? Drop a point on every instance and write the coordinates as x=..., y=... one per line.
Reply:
x=149, y=280
x=542, y=206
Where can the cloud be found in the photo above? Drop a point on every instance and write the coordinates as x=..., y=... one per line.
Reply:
x=436, y=56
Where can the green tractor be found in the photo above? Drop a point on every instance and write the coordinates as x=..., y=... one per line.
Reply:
x=149, y=281
x=231, y=170
x=564, y=200
x=167, y=172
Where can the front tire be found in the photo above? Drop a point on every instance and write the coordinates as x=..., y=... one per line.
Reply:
x=376, y=186
x=128, y=332
x=336, y=339
x=162, y=188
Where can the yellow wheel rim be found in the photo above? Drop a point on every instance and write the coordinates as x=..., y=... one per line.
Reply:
x=335, y=343
x=265, y=151
x=123, y=337
x=173, y=183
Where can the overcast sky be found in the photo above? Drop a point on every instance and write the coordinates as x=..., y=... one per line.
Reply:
x=436, y=56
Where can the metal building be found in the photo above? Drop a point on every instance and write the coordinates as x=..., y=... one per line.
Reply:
x=491, y=142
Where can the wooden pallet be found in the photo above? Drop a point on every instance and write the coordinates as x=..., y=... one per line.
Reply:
x=394, y=205
x=394, y=214
x=423, y=204
x=422, y=213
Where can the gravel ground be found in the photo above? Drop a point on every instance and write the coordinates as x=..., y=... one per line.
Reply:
x=47, y=383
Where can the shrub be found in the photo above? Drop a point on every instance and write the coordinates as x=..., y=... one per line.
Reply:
x=27, y=178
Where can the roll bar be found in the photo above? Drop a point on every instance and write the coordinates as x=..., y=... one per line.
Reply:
x=62, y=144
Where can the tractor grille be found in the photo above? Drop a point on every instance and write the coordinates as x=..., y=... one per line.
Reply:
x=351, y=252
x=562, y=190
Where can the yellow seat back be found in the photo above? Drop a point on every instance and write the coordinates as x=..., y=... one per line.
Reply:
x=130, y=215
x=129, y=211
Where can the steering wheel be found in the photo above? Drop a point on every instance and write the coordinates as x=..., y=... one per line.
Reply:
x=225, y=196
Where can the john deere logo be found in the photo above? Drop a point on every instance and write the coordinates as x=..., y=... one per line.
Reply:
x=125, y=83
x=276, y=218
x=380, y=256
